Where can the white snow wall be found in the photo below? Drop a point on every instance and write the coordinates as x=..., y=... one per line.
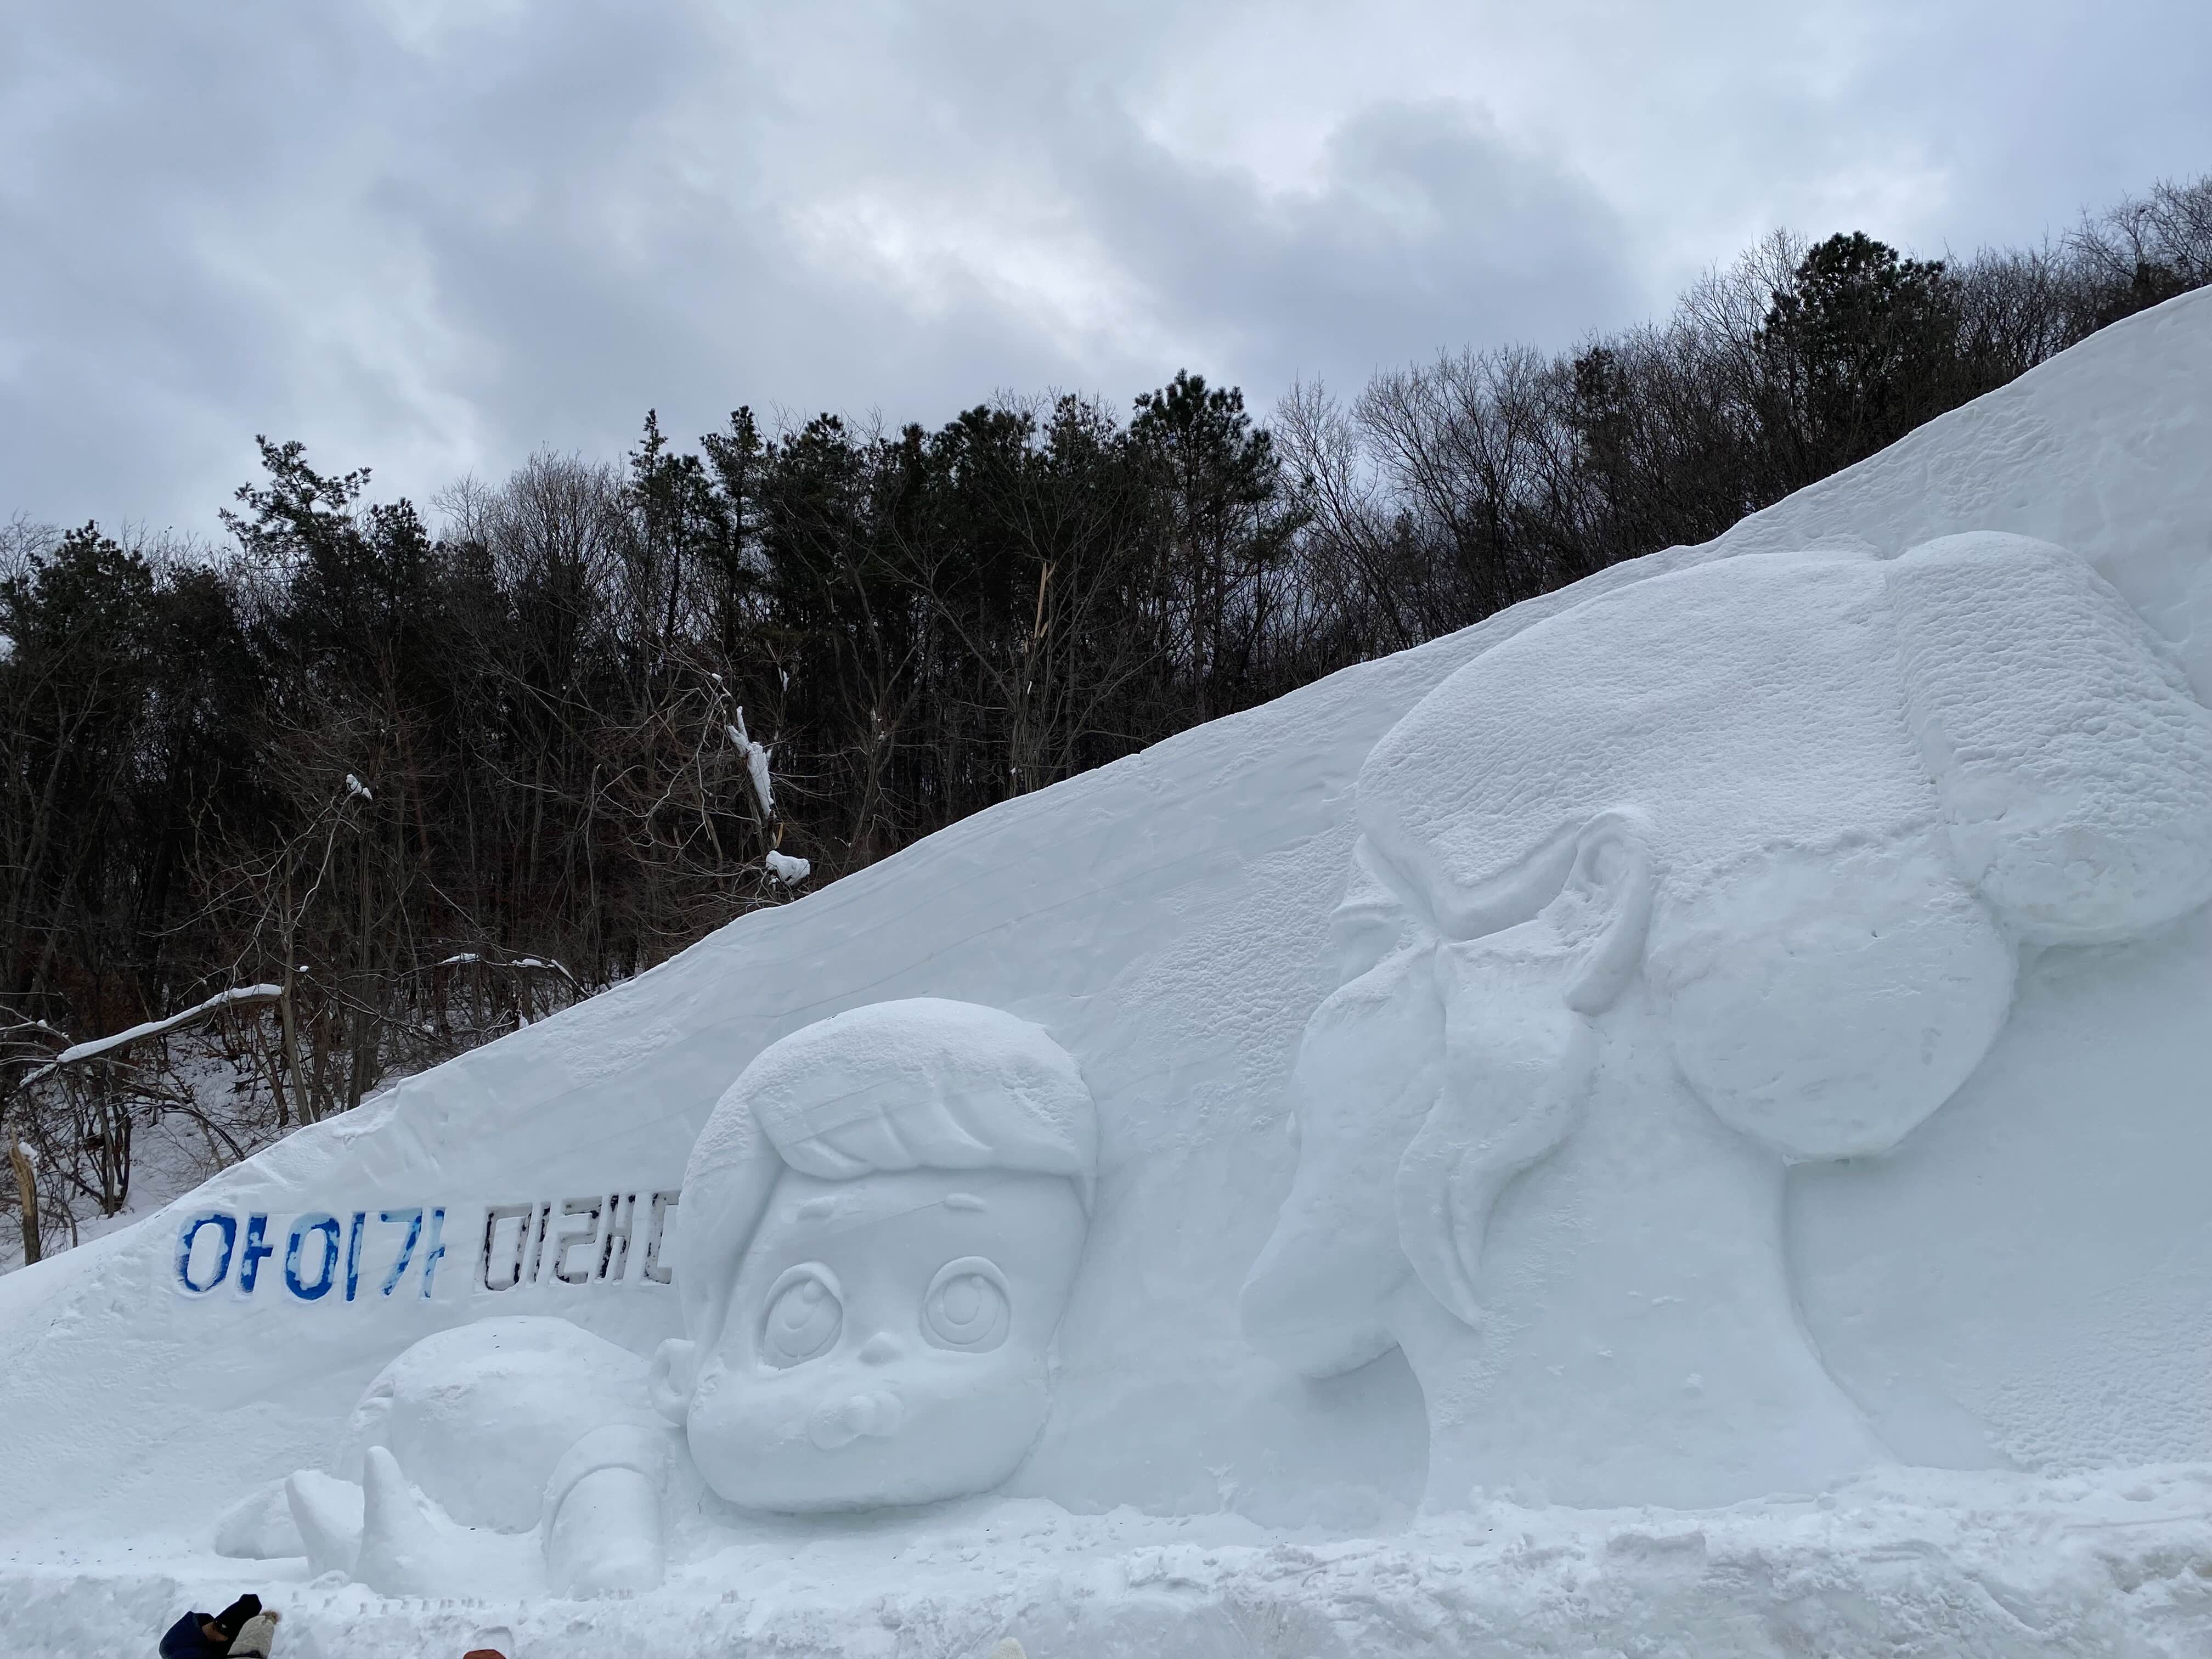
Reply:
x=2028, y=1281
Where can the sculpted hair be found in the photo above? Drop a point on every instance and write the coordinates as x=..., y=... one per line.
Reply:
x=1989, y=684
x=921, y=1083
x=2072, y=761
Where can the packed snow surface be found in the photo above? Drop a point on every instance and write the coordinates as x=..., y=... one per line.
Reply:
x=1914, y=1562
x=1721, y=1048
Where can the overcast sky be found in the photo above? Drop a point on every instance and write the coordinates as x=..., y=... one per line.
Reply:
x=432, y=235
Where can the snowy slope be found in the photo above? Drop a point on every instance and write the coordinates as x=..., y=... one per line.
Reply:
x=2024, y=1289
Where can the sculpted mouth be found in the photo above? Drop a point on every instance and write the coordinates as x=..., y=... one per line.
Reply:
x=841, y=1423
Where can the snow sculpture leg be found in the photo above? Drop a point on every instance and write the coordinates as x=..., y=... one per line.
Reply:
x=327, y=1514
x=1721, y=870
x=402, y=1552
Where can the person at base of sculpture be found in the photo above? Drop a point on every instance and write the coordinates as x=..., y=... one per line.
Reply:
x=1716, y=872
x=210, y=1634
x=880, y=1225
x=257, y=1638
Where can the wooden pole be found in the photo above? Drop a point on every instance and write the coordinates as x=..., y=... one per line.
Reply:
x=26, y=1191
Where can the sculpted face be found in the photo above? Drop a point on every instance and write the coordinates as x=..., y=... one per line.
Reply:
x=1484, y=1026
x=1823, y=1006
x=887, y=1339
x=1367, y=1074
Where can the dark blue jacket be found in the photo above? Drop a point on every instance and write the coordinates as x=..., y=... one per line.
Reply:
x=185, y=1640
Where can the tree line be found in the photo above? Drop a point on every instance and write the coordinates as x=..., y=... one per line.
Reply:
x=362, y=787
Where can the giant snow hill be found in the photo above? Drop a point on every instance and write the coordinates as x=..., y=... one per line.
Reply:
x=2011, y=1306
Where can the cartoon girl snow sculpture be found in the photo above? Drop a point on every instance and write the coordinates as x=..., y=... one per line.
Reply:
x=1712, y=873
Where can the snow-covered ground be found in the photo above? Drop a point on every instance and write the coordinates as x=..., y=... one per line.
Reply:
x=2019, y=1297
x=1911, y=1562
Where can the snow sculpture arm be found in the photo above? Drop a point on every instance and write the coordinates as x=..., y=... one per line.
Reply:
x=602, y=1526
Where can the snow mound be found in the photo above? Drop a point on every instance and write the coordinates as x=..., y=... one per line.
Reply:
x=1712, y=1037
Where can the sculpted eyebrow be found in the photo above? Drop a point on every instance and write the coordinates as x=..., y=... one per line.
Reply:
x=821, y=1208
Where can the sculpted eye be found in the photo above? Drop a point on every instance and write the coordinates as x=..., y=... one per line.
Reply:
x=968, y=1306
x=804, y=1314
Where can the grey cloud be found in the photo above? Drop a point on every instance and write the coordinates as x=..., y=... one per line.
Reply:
x=433, y=237
x=2036, y=113
x=1427, y=228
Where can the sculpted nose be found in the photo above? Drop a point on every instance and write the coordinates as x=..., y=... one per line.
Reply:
x=878, y=1349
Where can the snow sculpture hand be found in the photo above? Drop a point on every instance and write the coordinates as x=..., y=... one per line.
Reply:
x=880, y=1225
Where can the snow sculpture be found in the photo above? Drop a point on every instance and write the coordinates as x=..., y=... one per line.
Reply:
x=489, y=1453
x=881, y=1222
x=880, y=1225
x=1725, y=869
